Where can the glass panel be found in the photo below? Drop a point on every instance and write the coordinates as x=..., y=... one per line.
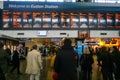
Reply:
x=110, y=20
x=92, y=20
x=27, y=19
x=37, y=19
x=101, y=20
x=7, y=19
x=46, y=19
x=83, y=20
x=55, y=20
x=17, y=19
x=117, y=15
x=74, y=20
x=65, y=20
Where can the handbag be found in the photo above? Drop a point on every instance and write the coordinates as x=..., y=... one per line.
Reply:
x=55, y=75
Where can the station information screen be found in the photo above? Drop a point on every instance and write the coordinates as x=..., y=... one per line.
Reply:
x=59, y=20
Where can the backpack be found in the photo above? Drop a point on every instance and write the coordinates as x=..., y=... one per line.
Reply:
x=83, y=60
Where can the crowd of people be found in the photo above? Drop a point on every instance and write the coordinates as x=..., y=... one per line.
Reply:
x=65, y=62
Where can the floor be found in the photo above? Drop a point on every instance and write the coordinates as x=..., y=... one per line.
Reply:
x=46, y=73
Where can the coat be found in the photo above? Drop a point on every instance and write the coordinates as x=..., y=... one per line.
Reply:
x=34, y=62
x=66, y=64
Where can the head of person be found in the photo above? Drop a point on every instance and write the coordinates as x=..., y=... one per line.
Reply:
x=34, y=47
x=67, y=43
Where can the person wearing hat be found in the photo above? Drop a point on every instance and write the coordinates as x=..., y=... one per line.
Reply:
x=66, y=62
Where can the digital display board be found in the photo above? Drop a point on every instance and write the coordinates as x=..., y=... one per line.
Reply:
x=55, y=20
x=101, y=20
x=1, y=18
x=74, y=20
x=27, y=20
x=17, y=19
x=117, y=19
x=37, y=19
x=65, y=20
x=46, y=20
x=92, y=20
x=83, y=20
x=110, y=20
x=7, y=19
x=55, y=15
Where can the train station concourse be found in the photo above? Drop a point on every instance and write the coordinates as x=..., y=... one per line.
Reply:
x=89, y=24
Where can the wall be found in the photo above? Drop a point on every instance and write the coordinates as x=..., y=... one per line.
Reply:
x=104, y=33
x=33, y=33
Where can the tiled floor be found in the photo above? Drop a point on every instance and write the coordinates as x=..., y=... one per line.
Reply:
x=46, y=73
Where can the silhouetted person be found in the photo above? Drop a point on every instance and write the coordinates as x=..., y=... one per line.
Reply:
x=116, y=60
x=86, y=62
x=3, y=63
x=107, y=64
x=16, y=60
x=66, y=62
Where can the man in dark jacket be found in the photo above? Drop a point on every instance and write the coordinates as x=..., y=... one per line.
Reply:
x=16, y=60
x=66, y=62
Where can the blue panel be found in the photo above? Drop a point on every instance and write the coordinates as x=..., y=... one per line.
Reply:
x=58, y=6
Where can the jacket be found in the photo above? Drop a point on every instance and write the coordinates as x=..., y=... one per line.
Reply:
x=66, y=64
x=34, y=62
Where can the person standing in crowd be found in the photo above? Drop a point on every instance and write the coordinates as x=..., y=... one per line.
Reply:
x=106, y=64
x=16, y=60
x=86, y=62
x=116, y=61
x=34, y=63
x=3, y=63
x=8, y=51
x=66, y=62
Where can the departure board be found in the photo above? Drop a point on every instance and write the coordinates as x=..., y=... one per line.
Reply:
x=55, y=20
x=92, y=20
x=83, y=20
x=101, y=20
x=46, y=20
x=0, y=18
x=65, y=20
x=37, y=19
x=74, y=18
x=17, y=19
x=7, y=19
x=27, y=20
x=110, y=20
x=117, y=20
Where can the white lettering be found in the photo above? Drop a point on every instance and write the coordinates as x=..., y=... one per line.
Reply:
x=37, y=6
x=16, y=6
x=51, y=6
